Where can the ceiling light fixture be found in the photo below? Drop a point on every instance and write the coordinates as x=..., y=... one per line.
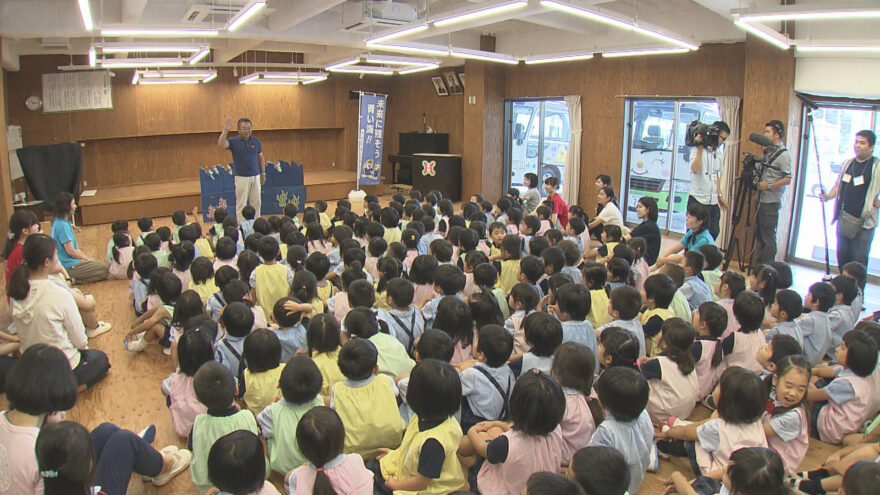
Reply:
x=810, y=15
x=837, y=49
x=157, y=48
x=169, y=81
x=483, y=55
x=613, y=21
x=648, y=51
x=159, y=32
x=414, y=48
x=398, y=34
x=136, y=77
x=395, y=60
x=764, y=33
x=85, y=11
x=245, y=14
x=546, y=59
x=135, y=63
x=481, y=12
x=267, y=77
x=93, y=56
x=199, y=55
x=170, y=76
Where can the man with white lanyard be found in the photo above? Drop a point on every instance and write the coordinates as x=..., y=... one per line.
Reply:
x=857, y=188
x=706, y=169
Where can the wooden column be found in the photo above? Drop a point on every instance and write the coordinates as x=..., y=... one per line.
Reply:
x=768, y=94
x=5, y=180
x=483, y=136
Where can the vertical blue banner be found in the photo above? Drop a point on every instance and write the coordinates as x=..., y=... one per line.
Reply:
x=371, y=131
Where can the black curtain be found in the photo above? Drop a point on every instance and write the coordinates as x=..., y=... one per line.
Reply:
x=50, y=169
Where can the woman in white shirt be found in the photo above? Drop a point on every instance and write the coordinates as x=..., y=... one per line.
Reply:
x=610, y=214
x=44, y=312
x=531, y=199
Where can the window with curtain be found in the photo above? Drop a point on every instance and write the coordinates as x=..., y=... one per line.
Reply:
x=536, y=140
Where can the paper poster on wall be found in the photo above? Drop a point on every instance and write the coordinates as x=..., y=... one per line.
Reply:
x=72, y=91
x=13, y=142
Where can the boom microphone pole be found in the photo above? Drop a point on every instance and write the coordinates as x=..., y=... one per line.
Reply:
x=812, y=106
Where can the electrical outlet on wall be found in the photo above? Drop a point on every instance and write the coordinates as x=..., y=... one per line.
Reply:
x=85, y=184
x=333, y=165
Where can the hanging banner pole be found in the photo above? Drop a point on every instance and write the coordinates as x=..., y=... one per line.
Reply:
x=371, y=137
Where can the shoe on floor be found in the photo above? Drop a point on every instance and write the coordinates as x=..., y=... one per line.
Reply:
x=168, y=449
x=148, y=433
x=181, y=460
x=135, y=345
x=102, y=328
x=655, y=459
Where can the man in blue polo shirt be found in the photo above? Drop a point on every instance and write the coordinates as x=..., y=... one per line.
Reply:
x=249, y=165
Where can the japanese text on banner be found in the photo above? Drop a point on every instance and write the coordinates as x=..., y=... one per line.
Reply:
x=371, y=131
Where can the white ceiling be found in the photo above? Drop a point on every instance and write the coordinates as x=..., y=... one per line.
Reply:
x=314, y=27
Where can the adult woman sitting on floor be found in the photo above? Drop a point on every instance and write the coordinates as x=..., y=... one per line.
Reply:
x=648, y=230
x=81, y=268
x=44, y=311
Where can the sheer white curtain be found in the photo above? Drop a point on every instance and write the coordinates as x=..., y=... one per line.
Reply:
x=730, y=114
x=571, y=176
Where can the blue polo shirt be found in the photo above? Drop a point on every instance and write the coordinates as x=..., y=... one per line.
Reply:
x=62, y=232
x=245, y=155
x=692, y=241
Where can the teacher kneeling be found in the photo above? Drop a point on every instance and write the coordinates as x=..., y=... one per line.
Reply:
x=81, y=268
x=249, y=165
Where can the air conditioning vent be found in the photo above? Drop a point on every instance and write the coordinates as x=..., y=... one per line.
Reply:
x=358, y=16
x=55, y=43
x=199, y=13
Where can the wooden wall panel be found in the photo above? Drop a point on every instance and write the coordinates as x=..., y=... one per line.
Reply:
x=714, y=70
x=113, y=162
x=5, y=176
x=472, y=151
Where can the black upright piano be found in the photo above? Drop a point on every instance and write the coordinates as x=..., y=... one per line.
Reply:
x=409, y=144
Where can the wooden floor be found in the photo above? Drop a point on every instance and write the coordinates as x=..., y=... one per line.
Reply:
x=130, y=396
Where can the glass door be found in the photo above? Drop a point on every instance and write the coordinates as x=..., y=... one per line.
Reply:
x=657, y=162
x=536, y=140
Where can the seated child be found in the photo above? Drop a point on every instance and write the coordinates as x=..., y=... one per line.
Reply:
x=623, y=392
x=153, y=242
x=215, y=388
x=300, y=384
x=508, y=267
x=485, y=277
x=840, y=315
x=449, y=280
x=679, y=305
x=523, y=300
x=194, y=348
x=786, y=310
x=361, y=322
x=262, y=353
x=786, y=424
x=145, y=225
x=573, y=367
x=366, y=402
x=814, y=325
x=711, y=273
x=531, y=269
x=202, y=278
x=709, y=322
x=236, y=464
x=573, y=257
x=729, y=286
x=121, y=253
x=144, y=265
x=741, y=347
x=857, y=271
x=290, y=332
x=750, y=470
x=226, y=253
x=573, y=304
x=600, y=470
x=322, y=338
x=321, y=437
x=674, y=384
x=487, y=383
x=404, y=320
x=155, y=324
x=543, y=334
x=659, y=291
x=528, y=228
x=426, y=460
x=271, y=280
x=237, y=321
x=544, y=213
x=593, y=276
x=624, y=306
x=640, y=268
x=694, y=288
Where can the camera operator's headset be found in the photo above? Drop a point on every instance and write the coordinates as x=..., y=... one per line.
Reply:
x=779, y=127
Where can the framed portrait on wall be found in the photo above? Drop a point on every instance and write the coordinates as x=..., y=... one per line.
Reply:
x=439, y=86
x=452, y=83
x=461, y=80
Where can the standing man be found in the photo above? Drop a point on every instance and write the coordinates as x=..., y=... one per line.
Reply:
x=856, y=191
x=706, y=169
x=249, y=165
x=776, y=175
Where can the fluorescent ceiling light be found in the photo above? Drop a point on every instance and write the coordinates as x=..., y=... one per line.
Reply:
x=245, y=14
x=344, y=63
x=363, y=69
x=398, y=34
x=136, y=77
x=137, y=47
x=134, y=63
x=648, y=51
x=414, y=48
x=169, y=81
x=837, y=49
x=481, y=12
x=200, y=54
x=764, y=33
x=544, y=59
x=93, y=56
x=613, y=21
x=159, y=32
x=810, y=14
x=85, y=11
x=267, y=77
x=394, y=60
x=210, y=78
x=483, y=55
x=417, y=68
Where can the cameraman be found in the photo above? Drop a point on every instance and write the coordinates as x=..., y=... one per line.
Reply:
x=705, y=187
x=775, y=174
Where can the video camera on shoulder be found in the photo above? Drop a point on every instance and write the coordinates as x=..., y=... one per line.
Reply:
x=708, y=132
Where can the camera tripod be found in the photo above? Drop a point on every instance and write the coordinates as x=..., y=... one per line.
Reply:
x=742, y=203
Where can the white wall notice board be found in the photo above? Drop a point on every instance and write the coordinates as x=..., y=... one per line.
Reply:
x=72, y=91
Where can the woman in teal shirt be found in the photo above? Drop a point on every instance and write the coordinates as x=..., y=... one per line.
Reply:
x=697, y=235
x=81, y=268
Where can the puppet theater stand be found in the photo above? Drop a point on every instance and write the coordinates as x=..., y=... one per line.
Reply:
x=157, y=199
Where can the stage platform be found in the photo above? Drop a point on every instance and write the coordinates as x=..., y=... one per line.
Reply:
x=158, y=199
